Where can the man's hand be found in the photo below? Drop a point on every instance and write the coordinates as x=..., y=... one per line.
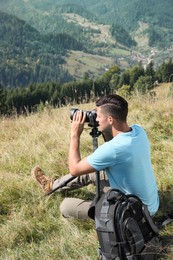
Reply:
x=78, y=123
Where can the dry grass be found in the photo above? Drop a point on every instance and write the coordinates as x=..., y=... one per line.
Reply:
x=31, y=226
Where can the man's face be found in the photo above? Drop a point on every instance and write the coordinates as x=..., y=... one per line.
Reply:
x=102, y=119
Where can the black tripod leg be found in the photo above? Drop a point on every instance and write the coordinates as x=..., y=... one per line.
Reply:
x=64, y=183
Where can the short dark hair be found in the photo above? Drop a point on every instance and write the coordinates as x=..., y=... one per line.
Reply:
x=114, y=105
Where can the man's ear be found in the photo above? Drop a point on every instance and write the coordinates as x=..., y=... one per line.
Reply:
x=110, y=120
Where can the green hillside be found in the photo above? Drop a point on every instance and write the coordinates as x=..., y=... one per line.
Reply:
x=39, y=44
x=28, y=56
x=45, y=15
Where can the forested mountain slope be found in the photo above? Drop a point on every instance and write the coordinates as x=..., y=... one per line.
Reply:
x=36, y=44
x=29, y=56
x=45, y=15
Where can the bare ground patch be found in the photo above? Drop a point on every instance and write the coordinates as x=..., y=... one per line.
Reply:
x=77, y=63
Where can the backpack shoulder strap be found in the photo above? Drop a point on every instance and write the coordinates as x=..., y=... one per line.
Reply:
x=150, y=220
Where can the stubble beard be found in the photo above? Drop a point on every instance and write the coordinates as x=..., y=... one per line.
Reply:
x=107, y=133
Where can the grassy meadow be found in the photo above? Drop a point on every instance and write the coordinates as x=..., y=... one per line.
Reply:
x=31, y=226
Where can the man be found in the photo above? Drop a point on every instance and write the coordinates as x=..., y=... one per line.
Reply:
x=125, y=158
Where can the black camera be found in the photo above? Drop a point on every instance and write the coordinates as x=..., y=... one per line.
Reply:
x=90, y=116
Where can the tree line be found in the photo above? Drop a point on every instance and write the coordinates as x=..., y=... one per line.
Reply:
x=22, y=99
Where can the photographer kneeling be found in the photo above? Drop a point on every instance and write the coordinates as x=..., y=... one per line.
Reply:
x=125, y=159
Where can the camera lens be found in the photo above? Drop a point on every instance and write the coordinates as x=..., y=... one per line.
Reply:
x=90, y=116
x=72, y=112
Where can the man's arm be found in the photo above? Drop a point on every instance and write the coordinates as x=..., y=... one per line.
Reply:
x=77, y=166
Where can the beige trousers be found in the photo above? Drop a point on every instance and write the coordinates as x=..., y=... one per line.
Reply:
x=75, y=207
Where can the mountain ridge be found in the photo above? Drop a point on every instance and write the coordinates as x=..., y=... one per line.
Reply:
x=46, y=14
x=92, y=27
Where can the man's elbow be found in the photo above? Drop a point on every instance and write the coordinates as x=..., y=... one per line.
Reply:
x=73, y=171
x=80, y=168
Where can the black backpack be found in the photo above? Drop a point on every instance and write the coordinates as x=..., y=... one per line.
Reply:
x=125, y=228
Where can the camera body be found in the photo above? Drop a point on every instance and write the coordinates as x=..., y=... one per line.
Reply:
x=90, y=116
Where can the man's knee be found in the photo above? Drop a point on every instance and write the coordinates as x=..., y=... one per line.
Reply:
x=73, y=207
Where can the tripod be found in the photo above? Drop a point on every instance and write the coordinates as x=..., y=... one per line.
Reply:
x=95, y=134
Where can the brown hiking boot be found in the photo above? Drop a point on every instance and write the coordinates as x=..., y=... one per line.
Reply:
x=45, y=182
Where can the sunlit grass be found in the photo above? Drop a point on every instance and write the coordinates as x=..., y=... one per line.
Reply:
x=30, y=224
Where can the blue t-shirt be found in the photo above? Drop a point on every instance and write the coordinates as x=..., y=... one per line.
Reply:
x=126, y=160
